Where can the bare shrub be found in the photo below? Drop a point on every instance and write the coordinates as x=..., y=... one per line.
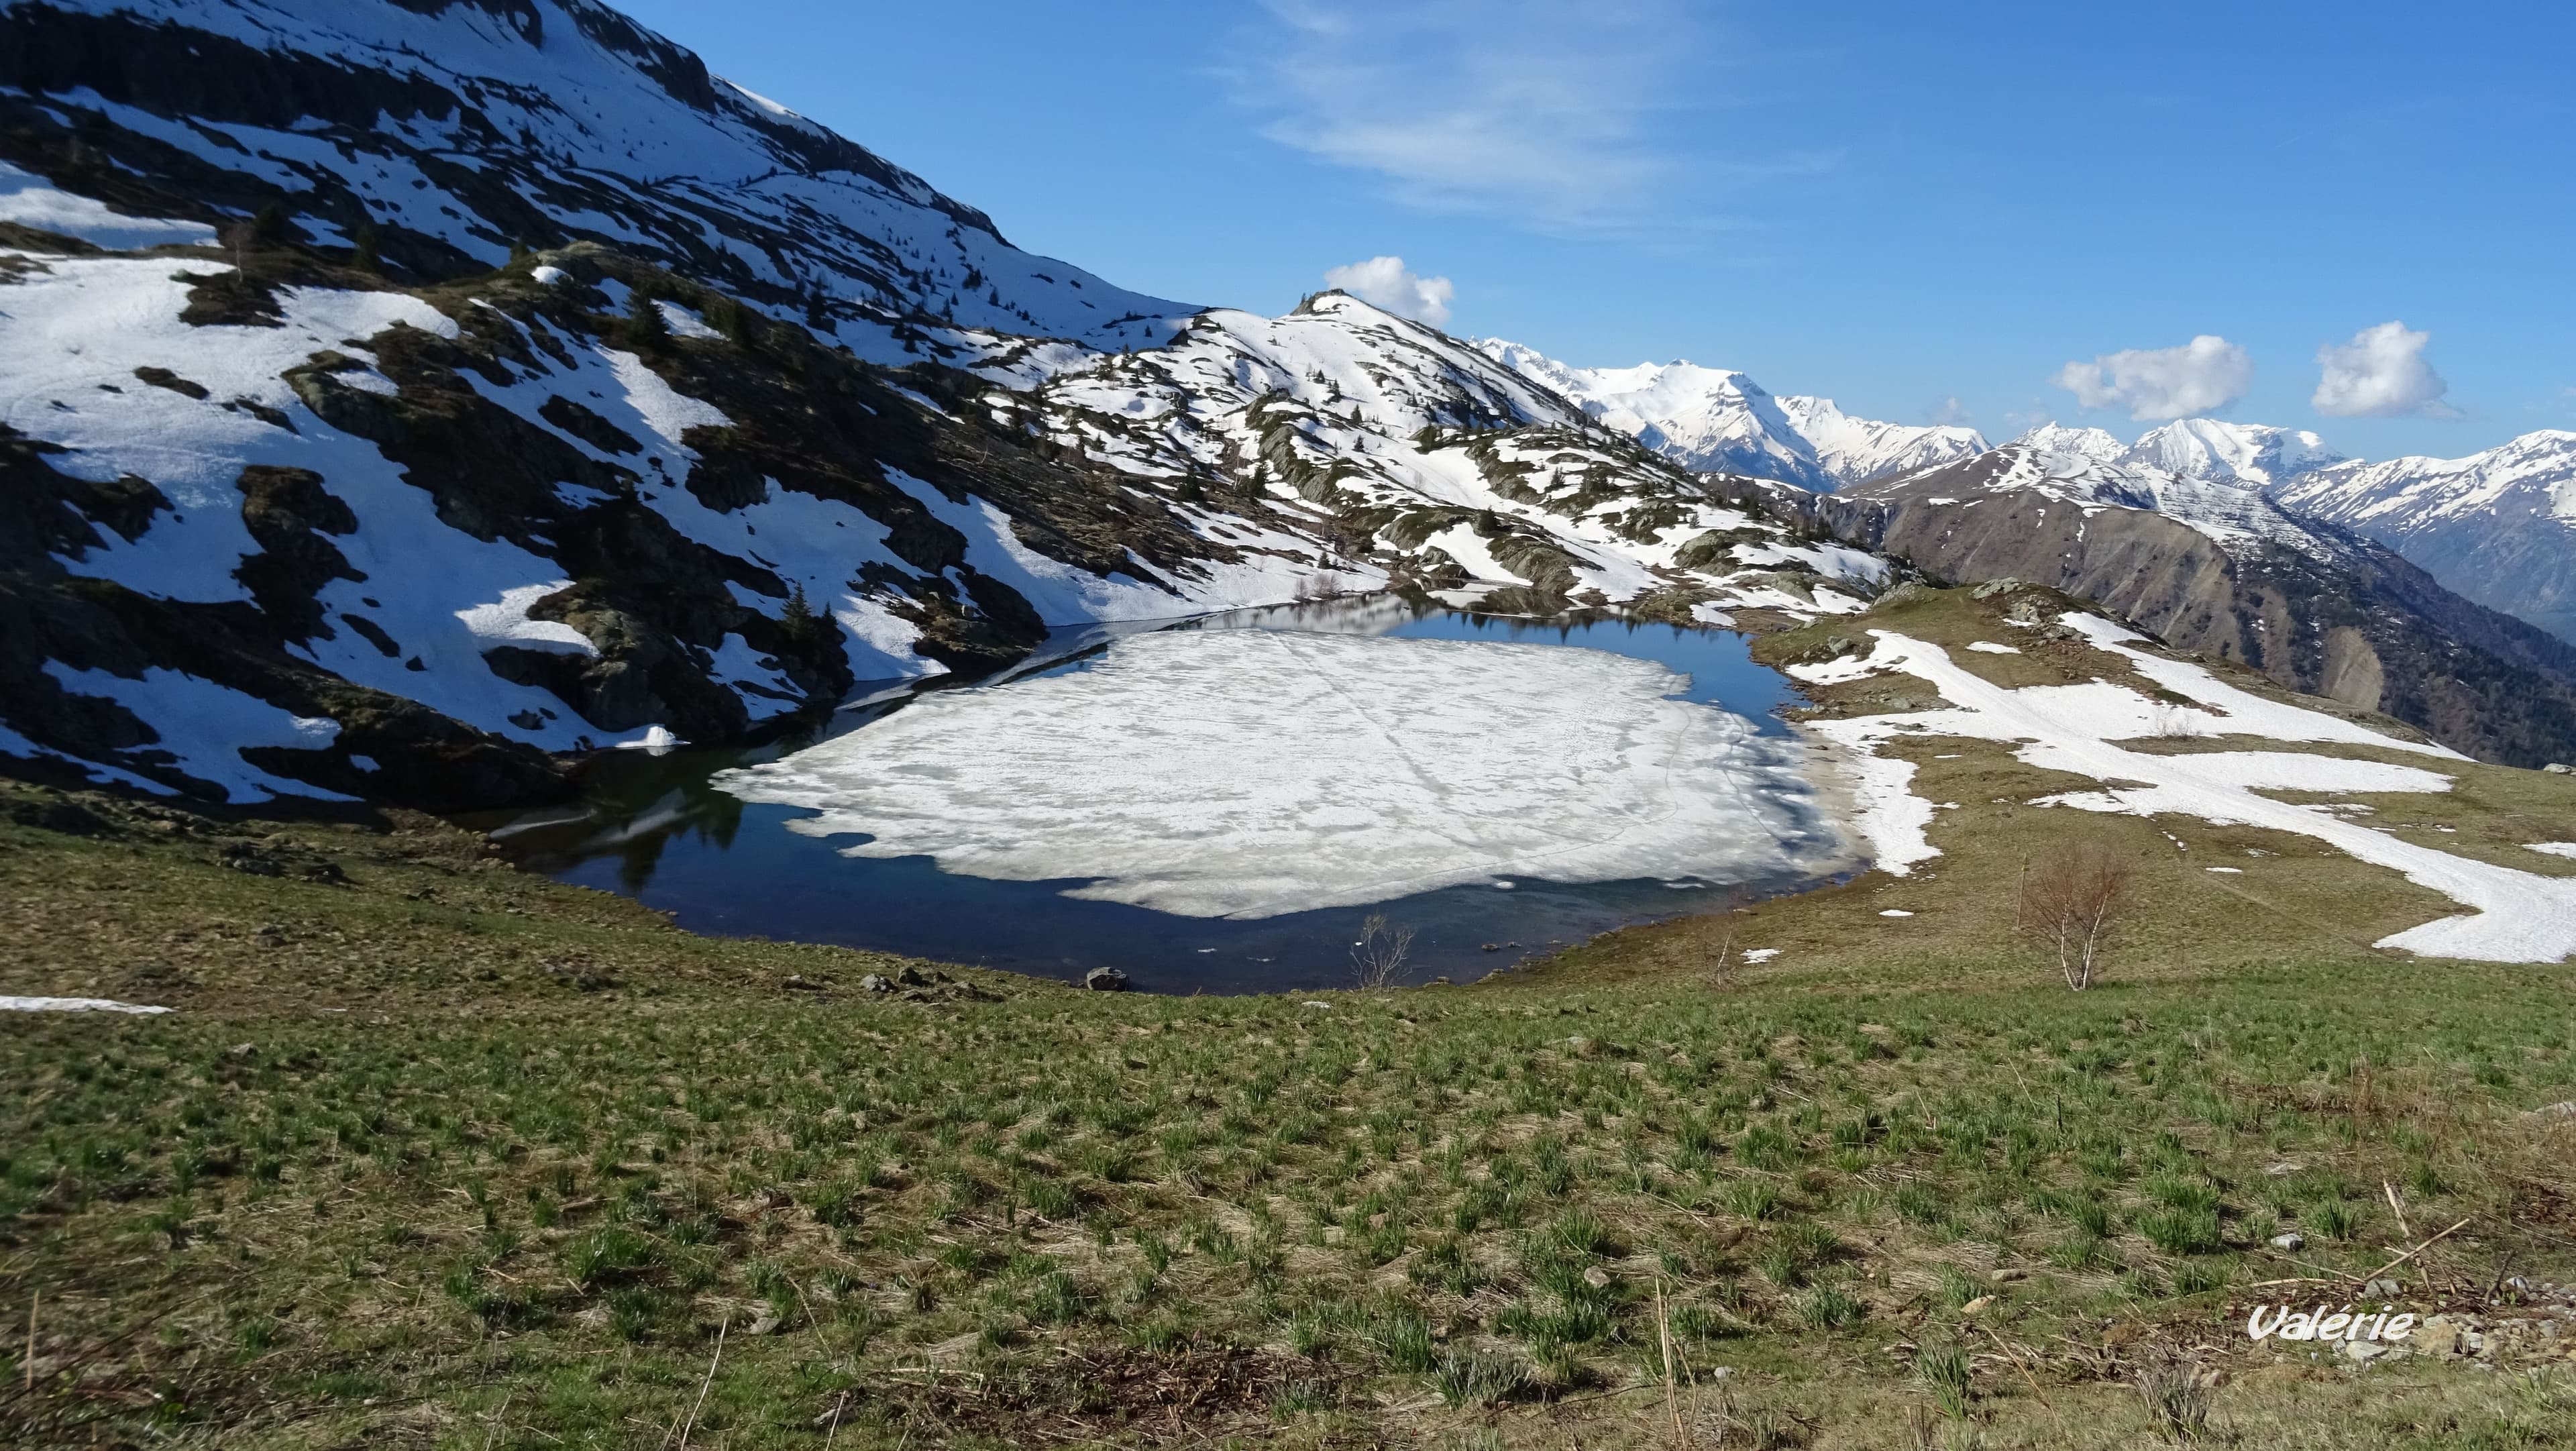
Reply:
x=2178, y=723
x=2075, y=900
x=1377, y=959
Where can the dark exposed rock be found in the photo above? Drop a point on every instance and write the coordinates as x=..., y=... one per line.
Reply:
x=164, y=378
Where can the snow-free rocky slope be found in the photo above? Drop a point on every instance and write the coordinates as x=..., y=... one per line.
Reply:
x=2216, y=567
x=2497, y=526
x=313, y=488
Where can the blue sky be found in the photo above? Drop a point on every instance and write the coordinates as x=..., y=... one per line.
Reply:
x=1920, y=210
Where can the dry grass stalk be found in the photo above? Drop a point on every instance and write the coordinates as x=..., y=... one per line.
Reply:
x=2075, y=901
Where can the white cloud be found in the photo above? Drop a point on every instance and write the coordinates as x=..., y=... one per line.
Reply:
x=2202, y=376
x=1951, y=411
x=2381, y=373
x=1510, y=107
x=1386, y=282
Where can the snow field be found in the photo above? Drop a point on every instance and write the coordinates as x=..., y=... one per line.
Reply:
x=30, y=201
x=2515, y=916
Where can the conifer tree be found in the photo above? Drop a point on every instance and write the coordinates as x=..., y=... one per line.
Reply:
x=799, y=621
x=646, y=329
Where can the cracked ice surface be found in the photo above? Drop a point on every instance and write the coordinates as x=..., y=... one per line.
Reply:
x=1250, y=773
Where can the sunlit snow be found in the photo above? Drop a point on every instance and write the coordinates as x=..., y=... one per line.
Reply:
x=1250, y=773
x=2514, y=916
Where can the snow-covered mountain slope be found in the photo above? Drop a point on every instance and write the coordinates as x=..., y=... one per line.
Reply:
x=1714, y=420
x=293, y=529
x=443, y=132
x=2211, y=450
x=1395, y=443
x=2217, y=567
x=2216, y=451
x=2498, y=526
x=300, y=531
x=2093, y=443
x=1711, y=420
x=2225, y=510
x=1858, y=450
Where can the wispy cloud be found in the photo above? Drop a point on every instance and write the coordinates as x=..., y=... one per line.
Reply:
x=1515, y=108
x=1949, y=411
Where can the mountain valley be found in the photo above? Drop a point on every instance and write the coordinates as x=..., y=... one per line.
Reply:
x=1536, y=897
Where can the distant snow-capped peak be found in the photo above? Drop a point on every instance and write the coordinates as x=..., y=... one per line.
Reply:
x=2208, y=449
x=1857, y=450
x=1714, y=420
x=2065, y=464
x=2086, y=443
x=1718, y=420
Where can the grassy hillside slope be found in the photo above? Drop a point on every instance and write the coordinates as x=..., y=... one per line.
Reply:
x=435, y=1154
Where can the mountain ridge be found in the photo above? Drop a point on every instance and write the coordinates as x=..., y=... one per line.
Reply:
x=2220, y=568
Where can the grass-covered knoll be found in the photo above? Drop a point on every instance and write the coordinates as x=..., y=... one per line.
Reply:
x=502, y=1162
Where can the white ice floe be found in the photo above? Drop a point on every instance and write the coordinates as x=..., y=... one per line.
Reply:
x=2515, y=916
x=73, y=1005
x=656, y=741
x=1251, y=773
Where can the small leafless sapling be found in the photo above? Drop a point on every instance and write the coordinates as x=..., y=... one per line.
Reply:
x=2075, y=900
x=1377, y=959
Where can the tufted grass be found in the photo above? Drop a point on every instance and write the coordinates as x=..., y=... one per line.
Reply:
x=389, y=1180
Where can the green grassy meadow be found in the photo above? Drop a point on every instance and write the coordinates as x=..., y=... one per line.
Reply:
x=434, y=1154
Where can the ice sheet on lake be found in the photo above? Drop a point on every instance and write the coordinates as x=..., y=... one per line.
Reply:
x=1255, y=773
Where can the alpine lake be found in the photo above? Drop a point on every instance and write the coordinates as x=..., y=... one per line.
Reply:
x=665, y=829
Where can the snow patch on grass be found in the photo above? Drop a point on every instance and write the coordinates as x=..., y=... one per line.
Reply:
x=72, y=1005
x=2515, y=916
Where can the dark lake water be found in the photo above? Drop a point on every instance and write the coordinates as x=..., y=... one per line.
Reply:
x=656, y=828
